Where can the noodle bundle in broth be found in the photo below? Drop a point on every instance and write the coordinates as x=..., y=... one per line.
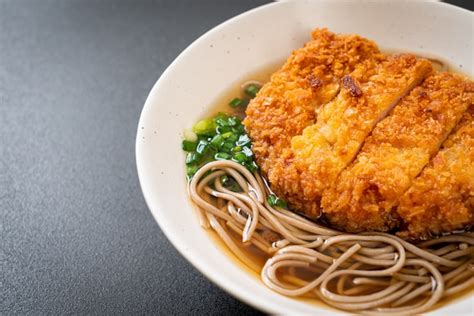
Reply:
x=374, y=273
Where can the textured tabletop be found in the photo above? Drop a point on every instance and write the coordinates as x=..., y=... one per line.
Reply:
x=75, y=233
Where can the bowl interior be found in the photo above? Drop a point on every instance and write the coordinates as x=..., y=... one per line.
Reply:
x=228, y=54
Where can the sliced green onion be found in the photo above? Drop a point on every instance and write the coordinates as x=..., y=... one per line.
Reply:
x=251, y=90
x=281, y=203
x=222, y=156
x=273, y=200
x=202, y=146
x=243, y=140
x=191, y=170
x=188, y=145
x=236, y=149
x=221, y=119
x=233, y=121
x=228, y=134
x=227, y=147
x=219, y=138
x=217, y=141
x=238, y=102
x=223, y=130
x=230, y=183
x=252, y=166
x=247, y=151
x=239, y=129
x=239, y=157
x=224, y=179
x=192, y=158
x=205, y=127
x=232, y=138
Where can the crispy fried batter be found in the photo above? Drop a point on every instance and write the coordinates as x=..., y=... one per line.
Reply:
x=368, y=94
x=309, y=122
x=367, y=192
x=288, y=104
x=441, y=198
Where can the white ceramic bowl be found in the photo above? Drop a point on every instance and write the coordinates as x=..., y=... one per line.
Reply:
x=230, y=52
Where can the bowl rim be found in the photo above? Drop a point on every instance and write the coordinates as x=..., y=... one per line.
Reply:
x=155, y=210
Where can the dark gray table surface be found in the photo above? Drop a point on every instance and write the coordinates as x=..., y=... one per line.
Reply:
x=75, y=233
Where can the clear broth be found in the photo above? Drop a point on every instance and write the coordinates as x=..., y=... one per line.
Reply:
x=221, y=103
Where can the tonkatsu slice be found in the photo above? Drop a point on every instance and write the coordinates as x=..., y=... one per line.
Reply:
x=287, y=104
x=366, y=194
x=367, y=95
x=441, y=199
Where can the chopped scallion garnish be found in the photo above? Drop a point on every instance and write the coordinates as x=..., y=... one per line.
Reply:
x=243, y=140
x=191, y=170
x=202, y=146
x=236, y=149
x=227, y=134
x=239, y=129
x=230, y=183
x=251, y=90
x=238, y=102
x=188, y=145
x=192, y=157
x=252, y=166
x=205, y=127
x=217, y=141
x=222, y=156
x=273, y=200
x=227, y=147
x=223, y=130
x=222, y=137
x=233, y=121
x=247, y=151
x=239, y=157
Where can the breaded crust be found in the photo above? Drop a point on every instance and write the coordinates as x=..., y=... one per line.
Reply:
x=288, y=103
x=367, y=192
x=310, y=121
x=441, y=198
x=368, y=94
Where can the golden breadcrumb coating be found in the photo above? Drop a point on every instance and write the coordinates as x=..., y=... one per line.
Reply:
x=288, y=103
x=367, y=192
x=331, y=98
x=441, y=198
x=368, y=94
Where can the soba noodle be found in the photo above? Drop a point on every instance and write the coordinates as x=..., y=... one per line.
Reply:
x=373, y=273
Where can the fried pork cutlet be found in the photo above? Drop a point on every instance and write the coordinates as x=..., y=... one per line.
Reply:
x=288, y=103
x=327, y=147
x=366, y=193
x=441, y=198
